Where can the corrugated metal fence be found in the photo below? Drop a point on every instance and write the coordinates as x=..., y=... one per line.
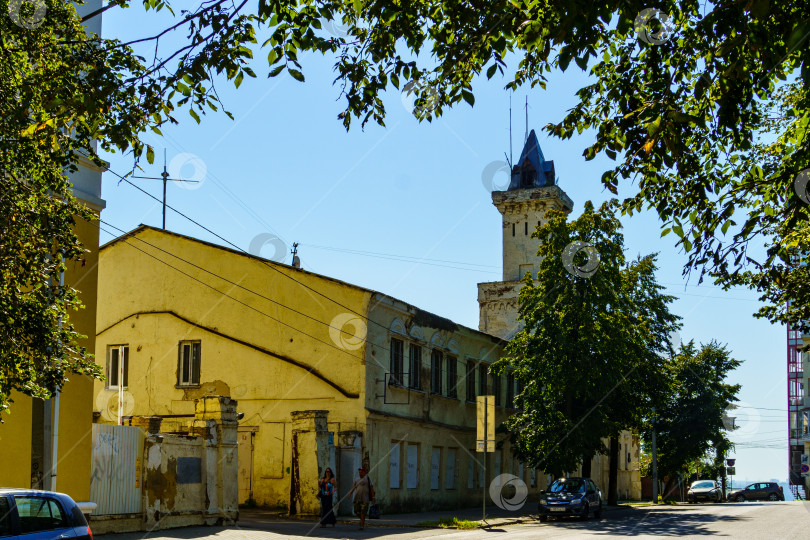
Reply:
x=115, y=484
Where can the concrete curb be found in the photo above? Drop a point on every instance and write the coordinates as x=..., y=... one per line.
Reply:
x=493, y=522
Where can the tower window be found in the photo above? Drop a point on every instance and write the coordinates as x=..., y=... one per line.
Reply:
x=513, y=229
x=526, y=228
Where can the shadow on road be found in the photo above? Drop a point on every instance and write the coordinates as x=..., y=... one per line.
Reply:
x=657, y=522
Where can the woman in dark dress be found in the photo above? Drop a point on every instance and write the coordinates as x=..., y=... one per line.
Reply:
x=326, y=489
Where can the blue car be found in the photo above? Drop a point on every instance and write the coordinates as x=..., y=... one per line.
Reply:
x=41, y=515
x=571, y=497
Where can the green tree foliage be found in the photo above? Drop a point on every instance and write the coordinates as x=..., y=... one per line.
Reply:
x=709, y=120
x=64, y=94
x=591, y=355
x=690, y=422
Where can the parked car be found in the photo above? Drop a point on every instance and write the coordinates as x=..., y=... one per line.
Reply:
x=571, y=497
x=41, y=515
x=761, y=491
x=704, y=490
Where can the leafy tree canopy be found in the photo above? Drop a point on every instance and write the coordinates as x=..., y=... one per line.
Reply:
x=691, y=422
x=591, y=356
x=707, y=113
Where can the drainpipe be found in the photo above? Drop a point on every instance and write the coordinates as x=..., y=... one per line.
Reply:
x=55, y=445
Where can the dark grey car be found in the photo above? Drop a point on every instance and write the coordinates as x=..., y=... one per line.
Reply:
x=571, y=497
x=41, y=515
x=761, y=491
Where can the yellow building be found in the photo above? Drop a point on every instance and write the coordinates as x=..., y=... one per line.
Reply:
x=29, y=434
x=325, y=373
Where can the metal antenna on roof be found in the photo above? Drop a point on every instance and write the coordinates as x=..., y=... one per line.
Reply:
x=526, y=138
x=296, y=261
x=510, y=131
x=165, y=177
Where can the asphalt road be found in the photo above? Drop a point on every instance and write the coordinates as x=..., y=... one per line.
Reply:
x=783, y=520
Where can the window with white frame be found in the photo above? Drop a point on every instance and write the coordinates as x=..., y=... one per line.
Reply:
x=188, y=366
x=117, y=360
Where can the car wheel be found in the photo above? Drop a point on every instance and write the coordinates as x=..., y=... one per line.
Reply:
x=598, y=513
x=740, y=498
x=772, y=497
x=585, y=512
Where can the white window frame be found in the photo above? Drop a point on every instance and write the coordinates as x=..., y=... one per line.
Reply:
x=113, y=374
x=180, y=363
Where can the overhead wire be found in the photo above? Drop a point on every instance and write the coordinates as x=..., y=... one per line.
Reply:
x=327, y=297
x=237, y=300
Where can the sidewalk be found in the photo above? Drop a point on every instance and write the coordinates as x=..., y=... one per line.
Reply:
x=495, y=516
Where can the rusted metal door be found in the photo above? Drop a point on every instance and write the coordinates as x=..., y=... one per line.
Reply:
x=115, y=484
x=245, y=439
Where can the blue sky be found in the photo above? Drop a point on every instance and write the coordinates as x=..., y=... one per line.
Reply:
x=367, y=204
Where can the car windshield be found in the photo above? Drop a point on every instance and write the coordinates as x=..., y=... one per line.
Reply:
x=570, y=485
x=703, y=485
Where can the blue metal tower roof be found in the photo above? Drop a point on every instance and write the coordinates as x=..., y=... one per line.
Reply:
x=532, y=169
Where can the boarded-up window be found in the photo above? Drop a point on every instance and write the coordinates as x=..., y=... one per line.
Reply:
x=435, y=467
x=450, y=469
x=413, y=466
x=396, y=469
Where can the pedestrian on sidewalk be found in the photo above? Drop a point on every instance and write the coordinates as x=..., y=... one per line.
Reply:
x=326, y=491
x=363, y=492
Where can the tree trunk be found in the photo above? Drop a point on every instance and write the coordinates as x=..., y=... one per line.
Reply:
x=613, y=472
x=586, y=465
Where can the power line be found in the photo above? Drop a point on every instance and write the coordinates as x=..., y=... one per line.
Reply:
x=130, y=235
x=410, y=259
x=239, y=301
x=243, y=251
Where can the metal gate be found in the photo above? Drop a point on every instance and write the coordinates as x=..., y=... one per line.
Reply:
x=115, y=484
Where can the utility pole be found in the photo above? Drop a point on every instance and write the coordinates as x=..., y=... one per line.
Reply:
x=654, y=461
